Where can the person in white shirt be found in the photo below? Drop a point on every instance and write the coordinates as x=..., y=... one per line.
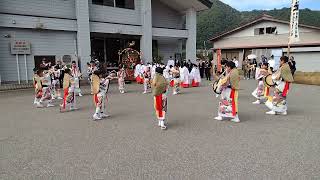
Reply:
x=170, y=62
x=272, y=64
x=185, y=80
x=153, y=70
x=195, y=76
x=137, y=71
x=143, y=67
x=166, y=73
x=76, y=75
x=236, y=62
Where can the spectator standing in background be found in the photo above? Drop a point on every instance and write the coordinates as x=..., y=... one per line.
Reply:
x=202, y=68
x=263, y=59
x=236, y=62
x=207, y=69
x=60, y=68
x=272, y=64
x=44, y=64
x=189, y=65
x=170, y=62
x=254, y=65
x=245, y=68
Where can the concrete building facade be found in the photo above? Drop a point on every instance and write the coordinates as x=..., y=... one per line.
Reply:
x=78, y=28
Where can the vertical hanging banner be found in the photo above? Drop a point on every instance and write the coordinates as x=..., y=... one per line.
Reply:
x=294, y=22
x=219, y=68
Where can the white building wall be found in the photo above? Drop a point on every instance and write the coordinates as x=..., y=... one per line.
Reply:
x=55, y=43
x=166, y=17
x=47, y=8
x=307, y=61
x=281, y=28
x=270, y=41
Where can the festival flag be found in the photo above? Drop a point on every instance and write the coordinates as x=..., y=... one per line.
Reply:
x=219, y=68
x=294, y=22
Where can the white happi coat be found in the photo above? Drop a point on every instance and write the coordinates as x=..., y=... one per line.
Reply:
x=142, y=69
x=170, y=62
x=166, y=73
x=153, y=71
x=195, y=75
x=184, y=75
x=137, y=70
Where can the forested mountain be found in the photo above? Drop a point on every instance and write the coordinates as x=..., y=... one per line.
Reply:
x=221, y=17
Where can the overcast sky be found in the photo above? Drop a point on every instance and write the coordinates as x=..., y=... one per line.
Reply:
x=247, y=5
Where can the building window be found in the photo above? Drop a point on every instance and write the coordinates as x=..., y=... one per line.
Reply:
x=271, y=30
x=104, y=2
x=259, y=31
x=127, y=4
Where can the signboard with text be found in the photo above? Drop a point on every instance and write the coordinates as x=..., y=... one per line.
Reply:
x=20, y=47
x=294, y=22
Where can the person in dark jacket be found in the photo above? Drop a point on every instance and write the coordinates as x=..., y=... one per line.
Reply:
x=201, y=68
x=60, y=68
x=292, y=65
x=207, y=69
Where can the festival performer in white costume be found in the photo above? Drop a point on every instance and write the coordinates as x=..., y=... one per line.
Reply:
x=185, y=80
x=137, y=73
x=228, y=105
x=195, y=76
x=159, y=91
x=283, y=79
x=100, y=83
x=261, y=93
x=37, y=82
x=170, y=62
x=55, y=83
x=175, y=83
x=76, y=75
x=46, y=99
x=69, y=97
x=91, y=68
x=121, y=74
x=166, y=73
x=37, y=86
x=146, y=79
x=153, y=70
x=142, y=69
